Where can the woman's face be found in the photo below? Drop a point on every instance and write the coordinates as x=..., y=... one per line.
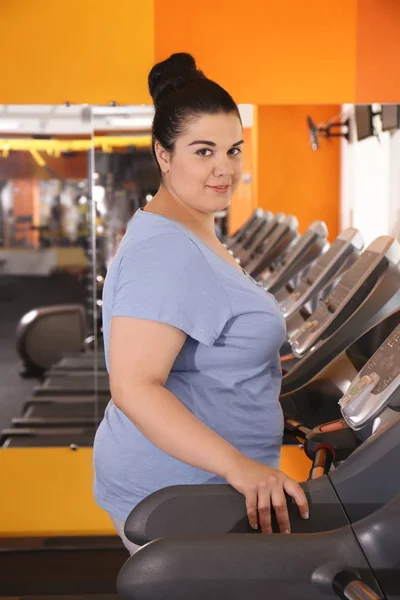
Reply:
x=205, y=167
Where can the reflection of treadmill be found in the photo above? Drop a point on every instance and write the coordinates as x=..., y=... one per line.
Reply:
x=307, y=248
x=273, y=247
x=39, y=437
x=245, y=253
x=365, y=294
x=354, y=519
x=68, y=411
x=77, y=383
x=238, y=236
x=338, y=258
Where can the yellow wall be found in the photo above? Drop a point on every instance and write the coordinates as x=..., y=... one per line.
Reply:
x=92, y=51
x=288, y=176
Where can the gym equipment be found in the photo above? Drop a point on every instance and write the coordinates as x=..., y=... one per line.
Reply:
x=46, y=334
x=78, y=383
x=85, y=361
x=366, y=293
x=236, y=238
x=61, y=412
x=338, y=258
x=244, y=253
x=354, y=518
x=258, y=224
x=54, y=437
x=299, y=255
x=273, y=247
x=317, y=400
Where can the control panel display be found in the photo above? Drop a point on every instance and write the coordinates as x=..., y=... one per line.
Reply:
x=366, y=261
x=385, y=362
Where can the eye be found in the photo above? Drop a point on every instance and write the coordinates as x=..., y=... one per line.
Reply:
x=202, y=152
x=235, y=151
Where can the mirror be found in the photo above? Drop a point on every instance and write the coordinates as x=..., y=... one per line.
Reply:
x=45, y=267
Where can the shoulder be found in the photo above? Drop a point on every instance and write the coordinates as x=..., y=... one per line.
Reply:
x=161, y=247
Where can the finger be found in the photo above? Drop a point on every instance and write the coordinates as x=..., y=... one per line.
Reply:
x=251, y=508
x=278, y=500
x=294, y=490
x=264, y=507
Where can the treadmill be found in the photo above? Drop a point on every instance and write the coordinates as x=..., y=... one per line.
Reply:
x=245, y=253
x=237, y=237
x=273, y=247
x=79, y=362
x=251, y=231
x=317, y=401
x=79, y=383
x=203, y=547
x=366, y=293
x=306, y=250
x=339, y=257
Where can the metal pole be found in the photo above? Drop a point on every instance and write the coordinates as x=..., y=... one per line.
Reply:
x=93, y=274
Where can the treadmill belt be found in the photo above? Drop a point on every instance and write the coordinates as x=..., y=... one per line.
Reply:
x=76, y=363
x=53, y=410
x=47, y=438
x=82, y=383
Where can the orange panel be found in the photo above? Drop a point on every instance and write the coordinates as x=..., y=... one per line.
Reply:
x=93, y=52
x=289, y=177
x=266, y=52
x=378, y=51
x=295, y=463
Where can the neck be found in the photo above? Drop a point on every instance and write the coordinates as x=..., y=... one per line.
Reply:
x=166, y=204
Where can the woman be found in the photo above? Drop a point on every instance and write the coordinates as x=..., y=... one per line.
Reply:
x=192, y=342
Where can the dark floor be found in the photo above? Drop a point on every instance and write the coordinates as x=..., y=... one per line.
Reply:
x=18, y=295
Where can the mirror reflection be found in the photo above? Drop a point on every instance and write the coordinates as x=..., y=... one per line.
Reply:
x=45, y=261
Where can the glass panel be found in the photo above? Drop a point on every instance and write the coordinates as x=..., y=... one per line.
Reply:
x=45, y=302
x=125, y=178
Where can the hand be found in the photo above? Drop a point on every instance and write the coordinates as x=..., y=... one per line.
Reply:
x=263, y=486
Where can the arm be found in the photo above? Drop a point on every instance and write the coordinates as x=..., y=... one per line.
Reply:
x=142, y=353
x=139, y=370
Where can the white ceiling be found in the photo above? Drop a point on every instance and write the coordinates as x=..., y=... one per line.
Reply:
x=82, y=119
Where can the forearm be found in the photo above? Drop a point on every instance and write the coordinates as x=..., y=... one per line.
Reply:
x=170, y=426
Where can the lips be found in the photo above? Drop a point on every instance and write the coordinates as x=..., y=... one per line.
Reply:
x=219, y=188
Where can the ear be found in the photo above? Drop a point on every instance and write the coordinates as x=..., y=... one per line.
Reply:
x=163, y=157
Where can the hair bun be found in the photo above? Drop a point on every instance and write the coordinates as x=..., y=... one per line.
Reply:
x=174, y=72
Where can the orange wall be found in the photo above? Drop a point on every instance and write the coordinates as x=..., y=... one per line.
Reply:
x=79, y=51
x=263, y=52
x=378, y=51
x=289, y=176
x=243, y=202
x=266, y=52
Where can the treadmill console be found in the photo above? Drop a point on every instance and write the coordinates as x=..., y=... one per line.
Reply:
x=361, y=273
x=323, y=270
x=374, y=387
x=324, y=261
x=315, y=231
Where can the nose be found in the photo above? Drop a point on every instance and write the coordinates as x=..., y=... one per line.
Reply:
x=223, y=166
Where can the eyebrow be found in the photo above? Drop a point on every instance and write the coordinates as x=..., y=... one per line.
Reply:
x=213, y=144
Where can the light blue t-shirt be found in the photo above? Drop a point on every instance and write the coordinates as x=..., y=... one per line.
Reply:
x=228, y=373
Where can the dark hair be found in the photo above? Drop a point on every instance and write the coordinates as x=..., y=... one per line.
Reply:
x=181, y=92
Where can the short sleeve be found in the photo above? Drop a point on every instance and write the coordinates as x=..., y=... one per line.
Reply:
x=168, y=279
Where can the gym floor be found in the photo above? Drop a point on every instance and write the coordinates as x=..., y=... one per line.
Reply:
x=18, y=295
